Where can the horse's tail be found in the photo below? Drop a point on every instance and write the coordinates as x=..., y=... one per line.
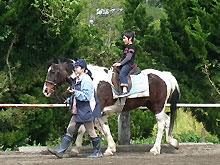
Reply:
x=173, y=99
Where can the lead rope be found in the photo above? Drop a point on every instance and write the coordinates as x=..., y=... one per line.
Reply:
x=60, y=98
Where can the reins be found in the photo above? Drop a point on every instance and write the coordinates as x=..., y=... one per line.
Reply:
x=60, y=98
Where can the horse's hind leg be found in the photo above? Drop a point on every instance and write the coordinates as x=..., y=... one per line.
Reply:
x=78, y=143
x=102, y=125
x=169, y=139
x=161, y=118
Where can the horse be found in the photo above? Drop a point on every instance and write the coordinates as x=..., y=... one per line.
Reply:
x=163, y=86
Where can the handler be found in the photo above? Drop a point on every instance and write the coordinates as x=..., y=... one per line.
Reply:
x=84, y=110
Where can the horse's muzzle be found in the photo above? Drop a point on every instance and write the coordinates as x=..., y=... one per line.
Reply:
x=47, y=91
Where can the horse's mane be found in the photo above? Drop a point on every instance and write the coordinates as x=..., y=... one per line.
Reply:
x=100, y=73
x=56, y=60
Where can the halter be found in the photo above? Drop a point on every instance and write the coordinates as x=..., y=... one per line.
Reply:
x=51, y=82
x=59, y=97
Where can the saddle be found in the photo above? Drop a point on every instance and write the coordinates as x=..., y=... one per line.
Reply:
x=115, y=77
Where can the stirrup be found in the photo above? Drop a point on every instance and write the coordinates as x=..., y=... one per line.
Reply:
x=124, y=94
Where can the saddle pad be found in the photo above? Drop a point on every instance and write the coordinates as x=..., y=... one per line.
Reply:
x=140, y=86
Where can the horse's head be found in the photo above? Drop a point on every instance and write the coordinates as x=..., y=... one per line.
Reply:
x=58, y=73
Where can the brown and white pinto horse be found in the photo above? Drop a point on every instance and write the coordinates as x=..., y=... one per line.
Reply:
x=162, y=86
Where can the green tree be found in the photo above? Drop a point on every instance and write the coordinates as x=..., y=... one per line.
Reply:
x=184, y=40
x=191, y=52
x=106, y=18
x=31, y=33
x=26, y=44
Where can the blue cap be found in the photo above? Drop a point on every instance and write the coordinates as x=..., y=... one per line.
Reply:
x=81, y=62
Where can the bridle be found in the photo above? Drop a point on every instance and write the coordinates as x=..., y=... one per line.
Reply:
x=59, y=97
x=51, y=82
x=55, y=85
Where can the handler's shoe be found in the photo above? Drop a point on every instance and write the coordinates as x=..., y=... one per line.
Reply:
x=96, y=148
x=59, y=150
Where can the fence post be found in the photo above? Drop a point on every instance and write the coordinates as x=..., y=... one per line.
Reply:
x=124, y=128
x=203, y=135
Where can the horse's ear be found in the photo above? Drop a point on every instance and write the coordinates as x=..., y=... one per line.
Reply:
x=72, y=61
x=60, y=64
x=54, y=60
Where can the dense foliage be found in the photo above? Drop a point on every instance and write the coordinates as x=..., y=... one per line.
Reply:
x=187, y=44
x=193, y=28
x=180, y=36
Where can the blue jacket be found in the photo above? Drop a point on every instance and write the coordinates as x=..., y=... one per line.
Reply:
x=84, y=91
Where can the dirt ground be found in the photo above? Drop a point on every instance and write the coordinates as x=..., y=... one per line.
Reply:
x=193, y=154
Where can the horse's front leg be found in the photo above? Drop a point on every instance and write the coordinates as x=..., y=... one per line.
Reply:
x=78, y=143
x=160, y=124
x=102, y=125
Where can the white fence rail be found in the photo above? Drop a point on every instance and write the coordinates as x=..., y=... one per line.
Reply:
x=193, y=105
x=197, y=105
x=66, y=105
x=34, y=105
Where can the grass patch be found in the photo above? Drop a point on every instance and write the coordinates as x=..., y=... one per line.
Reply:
x=186, y=129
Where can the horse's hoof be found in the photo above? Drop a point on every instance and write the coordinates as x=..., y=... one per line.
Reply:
x=108, y=153
x=154, y=151
x=73, y=153
x=113, y=150
x=177, y=147
x=175, y=144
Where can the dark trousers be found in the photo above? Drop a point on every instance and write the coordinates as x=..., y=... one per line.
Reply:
x=125, y=69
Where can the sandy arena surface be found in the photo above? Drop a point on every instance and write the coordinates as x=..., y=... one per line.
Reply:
x=189, y=153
